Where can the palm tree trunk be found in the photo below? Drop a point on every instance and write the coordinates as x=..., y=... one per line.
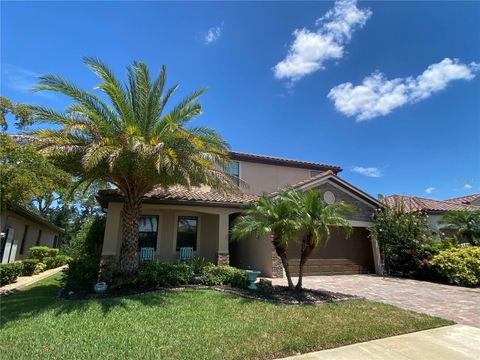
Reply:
x=282, y=254
x=130, y=220
x=307, y=248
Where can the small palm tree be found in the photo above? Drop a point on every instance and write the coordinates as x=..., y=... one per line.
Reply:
x=314, y=220
x=466, y=223
x=273, y=217
x=131, y=142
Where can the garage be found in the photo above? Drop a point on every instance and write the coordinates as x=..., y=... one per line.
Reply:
x=341, y=255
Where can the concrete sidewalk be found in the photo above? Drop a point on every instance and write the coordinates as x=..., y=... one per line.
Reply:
x=449, y=342
x=24, y=281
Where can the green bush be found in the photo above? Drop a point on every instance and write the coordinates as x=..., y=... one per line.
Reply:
x=40, y=267
x=224, y=275
x=10, y=272
x=29, y=266
x=160, y=274
x=41, y=252
x=460, y=266
x=57, y=261
x=198, y=264
x=81, y=274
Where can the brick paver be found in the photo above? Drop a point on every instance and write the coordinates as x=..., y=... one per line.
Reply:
x=459, y=304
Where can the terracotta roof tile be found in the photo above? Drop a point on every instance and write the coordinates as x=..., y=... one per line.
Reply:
x=415, y=203
x=464, y=199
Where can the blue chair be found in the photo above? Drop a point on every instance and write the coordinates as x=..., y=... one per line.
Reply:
x=147, y=254
x=186, y=253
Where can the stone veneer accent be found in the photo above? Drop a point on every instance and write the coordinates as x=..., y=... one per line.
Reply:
x=222, y=259
x=277, y=267
x=108, y=264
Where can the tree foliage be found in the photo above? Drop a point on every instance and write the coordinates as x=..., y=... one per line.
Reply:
x=20, y=112
x=465, y=223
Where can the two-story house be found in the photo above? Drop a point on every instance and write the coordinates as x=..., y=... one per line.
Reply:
x=200, y=218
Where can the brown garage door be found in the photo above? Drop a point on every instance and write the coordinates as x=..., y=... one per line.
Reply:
x=341, y=255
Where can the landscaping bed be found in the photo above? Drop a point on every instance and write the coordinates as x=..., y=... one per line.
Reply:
x=198, y=324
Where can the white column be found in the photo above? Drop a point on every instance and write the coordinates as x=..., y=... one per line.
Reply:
x=222, y=255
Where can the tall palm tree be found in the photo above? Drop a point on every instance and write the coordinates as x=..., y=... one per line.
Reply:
x=132, y=141
x=314, y=221
x=273, y=217
x=466, y=223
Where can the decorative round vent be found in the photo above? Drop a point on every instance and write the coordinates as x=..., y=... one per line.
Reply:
x=328, y=197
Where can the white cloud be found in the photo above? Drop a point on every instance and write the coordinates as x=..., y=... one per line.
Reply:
x=213, y=34
x=21, y=80
x=378, y=96
x=310, y=49
x=467, y=186
x=430, y=190
x=368, y=171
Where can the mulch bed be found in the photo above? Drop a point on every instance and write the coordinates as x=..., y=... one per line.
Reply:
x=273, y=294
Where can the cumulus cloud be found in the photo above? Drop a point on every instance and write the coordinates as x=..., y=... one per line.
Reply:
x=368, y=171
x=430, y=190
x=310, y=49
x=213, y=34
x=378, y=96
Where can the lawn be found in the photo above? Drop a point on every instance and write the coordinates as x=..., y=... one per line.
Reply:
x=187, y=325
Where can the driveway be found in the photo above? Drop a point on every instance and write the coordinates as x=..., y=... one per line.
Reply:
x=459, y=304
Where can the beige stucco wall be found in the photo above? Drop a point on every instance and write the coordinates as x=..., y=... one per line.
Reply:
x=212, y=229
x=267, y=178
x=252, y=253
x=18, y=222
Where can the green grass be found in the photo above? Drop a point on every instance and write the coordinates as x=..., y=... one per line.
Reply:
x=187, y=325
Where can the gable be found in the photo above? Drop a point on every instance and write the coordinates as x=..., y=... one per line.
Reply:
x=364, y=209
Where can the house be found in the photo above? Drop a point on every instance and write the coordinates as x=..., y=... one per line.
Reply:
x=22, y=229
x=434, y=208
x=200, y=218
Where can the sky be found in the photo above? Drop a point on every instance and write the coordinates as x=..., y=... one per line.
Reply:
x=390, y=91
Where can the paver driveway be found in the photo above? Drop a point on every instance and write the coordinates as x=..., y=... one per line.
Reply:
x=459, y=304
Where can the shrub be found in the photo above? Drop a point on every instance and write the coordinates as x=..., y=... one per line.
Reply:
x=460, y=266
x=57, y=261
x=402, y=237
x=10, y=272
x=40, y=267
x=29, y=266
x=156, y=273
x=198, y=264
x=81, y=274
x=41, y=252
x=224, y=275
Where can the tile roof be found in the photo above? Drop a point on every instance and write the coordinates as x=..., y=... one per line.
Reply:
x=415, y=203
x=236, y=155
x=464, y=199
x=194, y=194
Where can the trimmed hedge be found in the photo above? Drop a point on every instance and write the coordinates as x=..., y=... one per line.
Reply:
x=30, y=267
x=41, y=252
x=57, y=261
x=461, y=266
x=9, y=273
x=156, y=273
x=224, y=275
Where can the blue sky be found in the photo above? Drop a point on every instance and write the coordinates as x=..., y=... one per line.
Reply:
x=390, y=91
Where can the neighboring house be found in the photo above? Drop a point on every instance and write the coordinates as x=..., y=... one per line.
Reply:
x=22, y=229
x=434, y=208
x=201, y=218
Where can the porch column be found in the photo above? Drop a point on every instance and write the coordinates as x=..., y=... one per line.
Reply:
x=222, y=255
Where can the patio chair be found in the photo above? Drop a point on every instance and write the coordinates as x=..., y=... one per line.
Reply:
x=147, y=254
x=186, y=253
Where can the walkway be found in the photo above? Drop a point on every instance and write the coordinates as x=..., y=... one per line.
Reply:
x=24, y=281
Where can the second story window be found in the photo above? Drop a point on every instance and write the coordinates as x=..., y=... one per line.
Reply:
x=315, y=173
x=233, y=169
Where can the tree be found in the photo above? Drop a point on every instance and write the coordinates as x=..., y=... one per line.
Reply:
x=273, y=217
x=466, y=223
x=314, y=222
x=25, y=174
x=20, y=112
x=132, y=142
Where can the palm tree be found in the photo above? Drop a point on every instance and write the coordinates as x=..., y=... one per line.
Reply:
x=467, y=224
x=314, y=221
x=131, y=142
x=273, y=217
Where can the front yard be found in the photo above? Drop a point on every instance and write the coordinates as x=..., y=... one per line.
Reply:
x=187, y=325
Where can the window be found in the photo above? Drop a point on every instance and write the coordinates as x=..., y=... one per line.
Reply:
x=147, y=231
x=233, y=169
x=24, y=239
x=39, y=237
x=315, y=173
x=187, y=227
x=55, y=241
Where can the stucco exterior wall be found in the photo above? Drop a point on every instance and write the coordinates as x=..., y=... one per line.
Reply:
x=18, y=223
x=252, y=253
x=267, y=178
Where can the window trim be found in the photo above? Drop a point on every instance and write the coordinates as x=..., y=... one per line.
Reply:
x=157, y=243
x=175, y=230
x=235, y=179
